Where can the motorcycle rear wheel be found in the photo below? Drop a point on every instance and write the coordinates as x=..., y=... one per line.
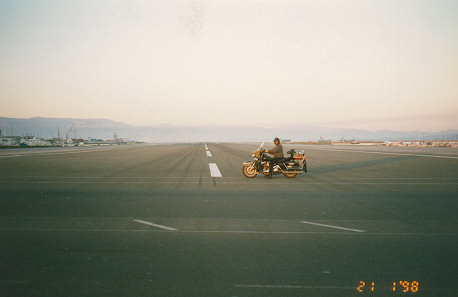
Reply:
x=249, y=170
x=290, y=175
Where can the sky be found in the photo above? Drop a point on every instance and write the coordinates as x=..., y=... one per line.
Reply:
x=374, y=64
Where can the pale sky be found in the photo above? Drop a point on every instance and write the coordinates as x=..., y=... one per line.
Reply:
x=354, y=64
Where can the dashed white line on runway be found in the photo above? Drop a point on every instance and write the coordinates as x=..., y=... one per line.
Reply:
x=155, y=225
x=214, y=170
x=209, y=154
x=331, y=226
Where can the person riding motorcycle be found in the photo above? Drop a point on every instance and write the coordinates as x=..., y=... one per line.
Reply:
x=277, y=153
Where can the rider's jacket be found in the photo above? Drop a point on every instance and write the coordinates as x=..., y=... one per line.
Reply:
x=277, y=151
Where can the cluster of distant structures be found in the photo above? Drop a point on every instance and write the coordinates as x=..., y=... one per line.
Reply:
x=401, y=143
x=35, y=141
x=424, y=143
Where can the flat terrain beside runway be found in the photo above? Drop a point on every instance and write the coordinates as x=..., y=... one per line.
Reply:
x=153, y=220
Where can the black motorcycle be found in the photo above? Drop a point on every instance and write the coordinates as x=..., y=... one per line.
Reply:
x=290, y=166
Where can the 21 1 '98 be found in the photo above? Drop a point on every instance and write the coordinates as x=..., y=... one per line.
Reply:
x=397, y=286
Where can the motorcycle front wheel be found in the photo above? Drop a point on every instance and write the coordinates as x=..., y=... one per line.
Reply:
x=249, y=170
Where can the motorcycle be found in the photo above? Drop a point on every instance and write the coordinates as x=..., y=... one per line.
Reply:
x=290, y=167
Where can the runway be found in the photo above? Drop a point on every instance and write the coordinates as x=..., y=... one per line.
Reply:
x=182, y=220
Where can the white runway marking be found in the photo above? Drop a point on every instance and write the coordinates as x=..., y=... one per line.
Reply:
x=206, y=147
x=236, y=177
x=234, y=232
x=209, y=154
x=331, y=226
x=214, y=170
x=385, y=153
x=216, y=173
x=155, y=225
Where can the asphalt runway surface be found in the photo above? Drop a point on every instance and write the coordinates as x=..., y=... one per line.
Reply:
x=151, y=220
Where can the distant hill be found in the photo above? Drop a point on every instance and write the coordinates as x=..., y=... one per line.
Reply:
x=103, y=128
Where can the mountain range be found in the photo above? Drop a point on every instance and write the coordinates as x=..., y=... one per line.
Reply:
x=105, y=129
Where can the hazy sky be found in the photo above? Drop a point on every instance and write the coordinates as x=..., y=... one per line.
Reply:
x=363, y=64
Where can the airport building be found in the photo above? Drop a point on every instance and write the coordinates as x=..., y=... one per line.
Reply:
x=423, y=143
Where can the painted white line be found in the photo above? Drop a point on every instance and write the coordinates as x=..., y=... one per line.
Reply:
x=206, y=147
x=155, y=225
x=217, y=173
x=314, y=232
x=214, y=170
x=384, y=178
x=209, y=154
x=235, y=177
x=385, y=153
x=331, y=226
x=235, y=232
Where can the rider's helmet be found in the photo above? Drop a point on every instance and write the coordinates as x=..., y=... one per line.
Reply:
x=277, y=139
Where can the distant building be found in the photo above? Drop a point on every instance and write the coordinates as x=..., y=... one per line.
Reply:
x=11, y=140
x=322, y=140
x=34, y=141
x=78, y=141
x=93, y=141
x=423, y=143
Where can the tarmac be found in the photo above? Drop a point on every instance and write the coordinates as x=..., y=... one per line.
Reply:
x=159, y=220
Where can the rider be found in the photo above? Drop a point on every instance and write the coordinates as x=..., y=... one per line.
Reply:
x=277, y=153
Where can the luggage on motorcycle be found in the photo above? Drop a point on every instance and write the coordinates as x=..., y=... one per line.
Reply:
x=299, y=156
